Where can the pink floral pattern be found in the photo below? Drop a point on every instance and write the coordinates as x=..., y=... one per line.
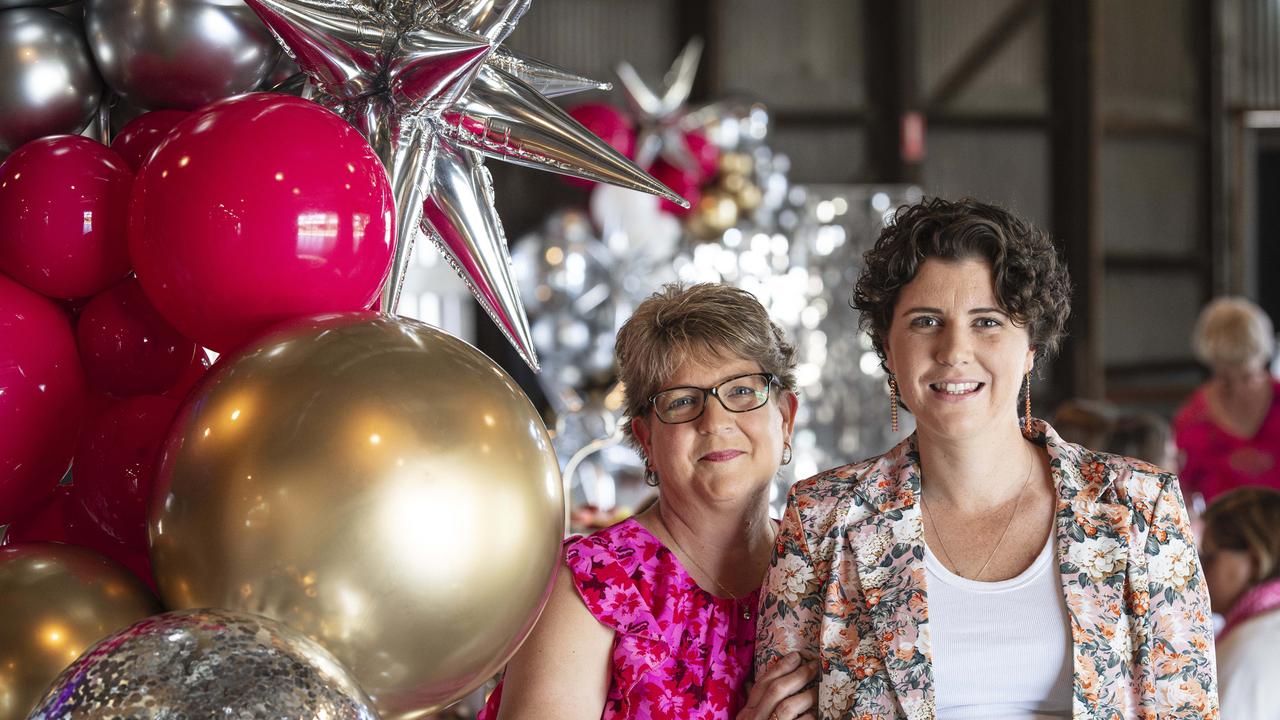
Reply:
x=847, y=585
x=679, y=652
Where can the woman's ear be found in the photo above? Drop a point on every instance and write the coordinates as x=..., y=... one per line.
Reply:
x=788, y=403
x=640, y=428
x=1030, y=365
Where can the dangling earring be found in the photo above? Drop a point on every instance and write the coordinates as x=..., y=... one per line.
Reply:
x=893, y=404
x=786, y=453
x=1026, y=407
x=651, y=476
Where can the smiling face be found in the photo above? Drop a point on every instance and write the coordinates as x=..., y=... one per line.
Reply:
x=959, y=360
x=721, y=455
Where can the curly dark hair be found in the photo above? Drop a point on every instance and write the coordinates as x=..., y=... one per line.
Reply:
x=1031, y=281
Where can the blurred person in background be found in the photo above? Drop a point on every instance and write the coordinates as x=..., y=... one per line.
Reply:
x=1241, y=556
x=655, y=617
x=1229, y=429
x=1101, y=425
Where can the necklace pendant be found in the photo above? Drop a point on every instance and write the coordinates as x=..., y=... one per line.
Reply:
x=746, y=613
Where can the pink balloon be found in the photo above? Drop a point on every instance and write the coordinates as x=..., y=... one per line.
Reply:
x=115, y=464
x=59, y=518
x=126, y=346
x=611, y=125
x=257, y=209
x=142, y=134
x=63, y=205
x=705, y=154
x=686, y=183
x=192, y=375
x=42, y=397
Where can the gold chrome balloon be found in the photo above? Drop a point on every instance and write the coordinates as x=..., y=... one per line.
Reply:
x=715, y=212
x=375, y=483
x=55, y=601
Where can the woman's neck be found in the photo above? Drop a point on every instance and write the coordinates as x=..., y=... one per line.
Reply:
x=732, y=543
x=975, y=474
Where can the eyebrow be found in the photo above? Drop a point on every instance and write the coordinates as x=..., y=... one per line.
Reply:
x=938, y=311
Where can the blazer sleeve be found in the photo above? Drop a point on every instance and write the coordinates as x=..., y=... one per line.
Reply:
x=1179, y=620
x=791, y=606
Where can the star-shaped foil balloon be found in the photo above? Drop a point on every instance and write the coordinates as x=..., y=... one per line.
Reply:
x=427, y=84
x=661, y=114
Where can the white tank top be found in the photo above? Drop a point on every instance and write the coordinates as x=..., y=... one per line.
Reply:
x=1001, y=650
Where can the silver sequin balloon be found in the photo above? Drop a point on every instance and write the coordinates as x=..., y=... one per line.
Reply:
x=204, y=664
x=178, y=53
x=47, y=82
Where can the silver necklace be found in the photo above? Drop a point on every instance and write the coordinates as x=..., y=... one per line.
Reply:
x=1031, y=463
x=746, y=610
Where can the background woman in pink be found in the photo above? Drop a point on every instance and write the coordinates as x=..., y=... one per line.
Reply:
x=655, y=617
x=1229, y=429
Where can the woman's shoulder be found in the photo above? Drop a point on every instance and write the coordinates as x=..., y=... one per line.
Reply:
x=626, y=544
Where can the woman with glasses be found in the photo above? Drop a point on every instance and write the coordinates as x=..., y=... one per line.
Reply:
x=985, y=567
x=655, y=617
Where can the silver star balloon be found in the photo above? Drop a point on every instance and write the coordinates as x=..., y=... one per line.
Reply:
x=427, y=84
x=660, y=113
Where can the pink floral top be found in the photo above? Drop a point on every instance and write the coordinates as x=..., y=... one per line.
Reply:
x=679, y=652
x=1218, y=461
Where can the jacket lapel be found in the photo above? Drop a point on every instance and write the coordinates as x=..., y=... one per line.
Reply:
x=1093, y=534
x=888, y=545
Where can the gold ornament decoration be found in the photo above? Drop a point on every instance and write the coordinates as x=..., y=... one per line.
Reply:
x=749, y=197
x=375, y=483
x=735, y=163
x=715, y=212
x=56, y=601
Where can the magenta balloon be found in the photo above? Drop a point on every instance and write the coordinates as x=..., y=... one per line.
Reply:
x=611, y=125
x=257, y=209
x=141, y=135
x=115, y=465
x=42, y=396
x=126, y=346
x=64, y=208
x=686, y=183
x=705, y=153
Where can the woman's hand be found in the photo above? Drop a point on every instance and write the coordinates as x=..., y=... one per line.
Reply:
x=784, y=692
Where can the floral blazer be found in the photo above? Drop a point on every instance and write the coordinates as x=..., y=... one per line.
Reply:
x=847, y=585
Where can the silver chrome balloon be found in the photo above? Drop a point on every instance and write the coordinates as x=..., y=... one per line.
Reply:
x=417, y=82
x=206, y=663
x=178, y=53
x=47, y=82
x=549, y=80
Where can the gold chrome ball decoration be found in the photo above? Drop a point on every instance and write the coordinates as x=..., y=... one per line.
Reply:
x=55, y=602
x=375, y=483
x=715, y=212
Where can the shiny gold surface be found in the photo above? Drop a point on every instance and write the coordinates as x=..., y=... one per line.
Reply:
x=55, y=601
x=375, y=483
x=715, y=212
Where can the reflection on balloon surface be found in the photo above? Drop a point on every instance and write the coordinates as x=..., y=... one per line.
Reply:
x=375, y=483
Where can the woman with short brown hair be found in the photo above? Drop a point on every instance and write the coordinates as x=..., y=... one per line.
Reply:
x=655, y=617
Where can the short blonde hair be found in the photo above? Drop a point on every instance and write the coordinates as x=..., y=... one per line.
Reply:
x=1233, y=331
x=1247, y=519
x=701, y=322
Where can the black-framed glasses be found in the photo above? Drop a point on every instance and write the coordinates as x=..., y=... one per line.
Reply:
x=739, y=394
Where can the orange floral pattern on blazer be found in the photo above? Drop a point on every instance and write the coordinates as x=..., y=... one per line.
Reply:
x=847, y=585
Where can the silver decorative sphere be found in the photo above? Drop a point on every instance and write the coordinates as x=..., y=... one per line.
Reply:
x=47, y=82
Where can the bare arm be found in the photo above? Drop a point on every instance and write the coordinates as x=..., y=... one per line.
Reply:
x=562, y=670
